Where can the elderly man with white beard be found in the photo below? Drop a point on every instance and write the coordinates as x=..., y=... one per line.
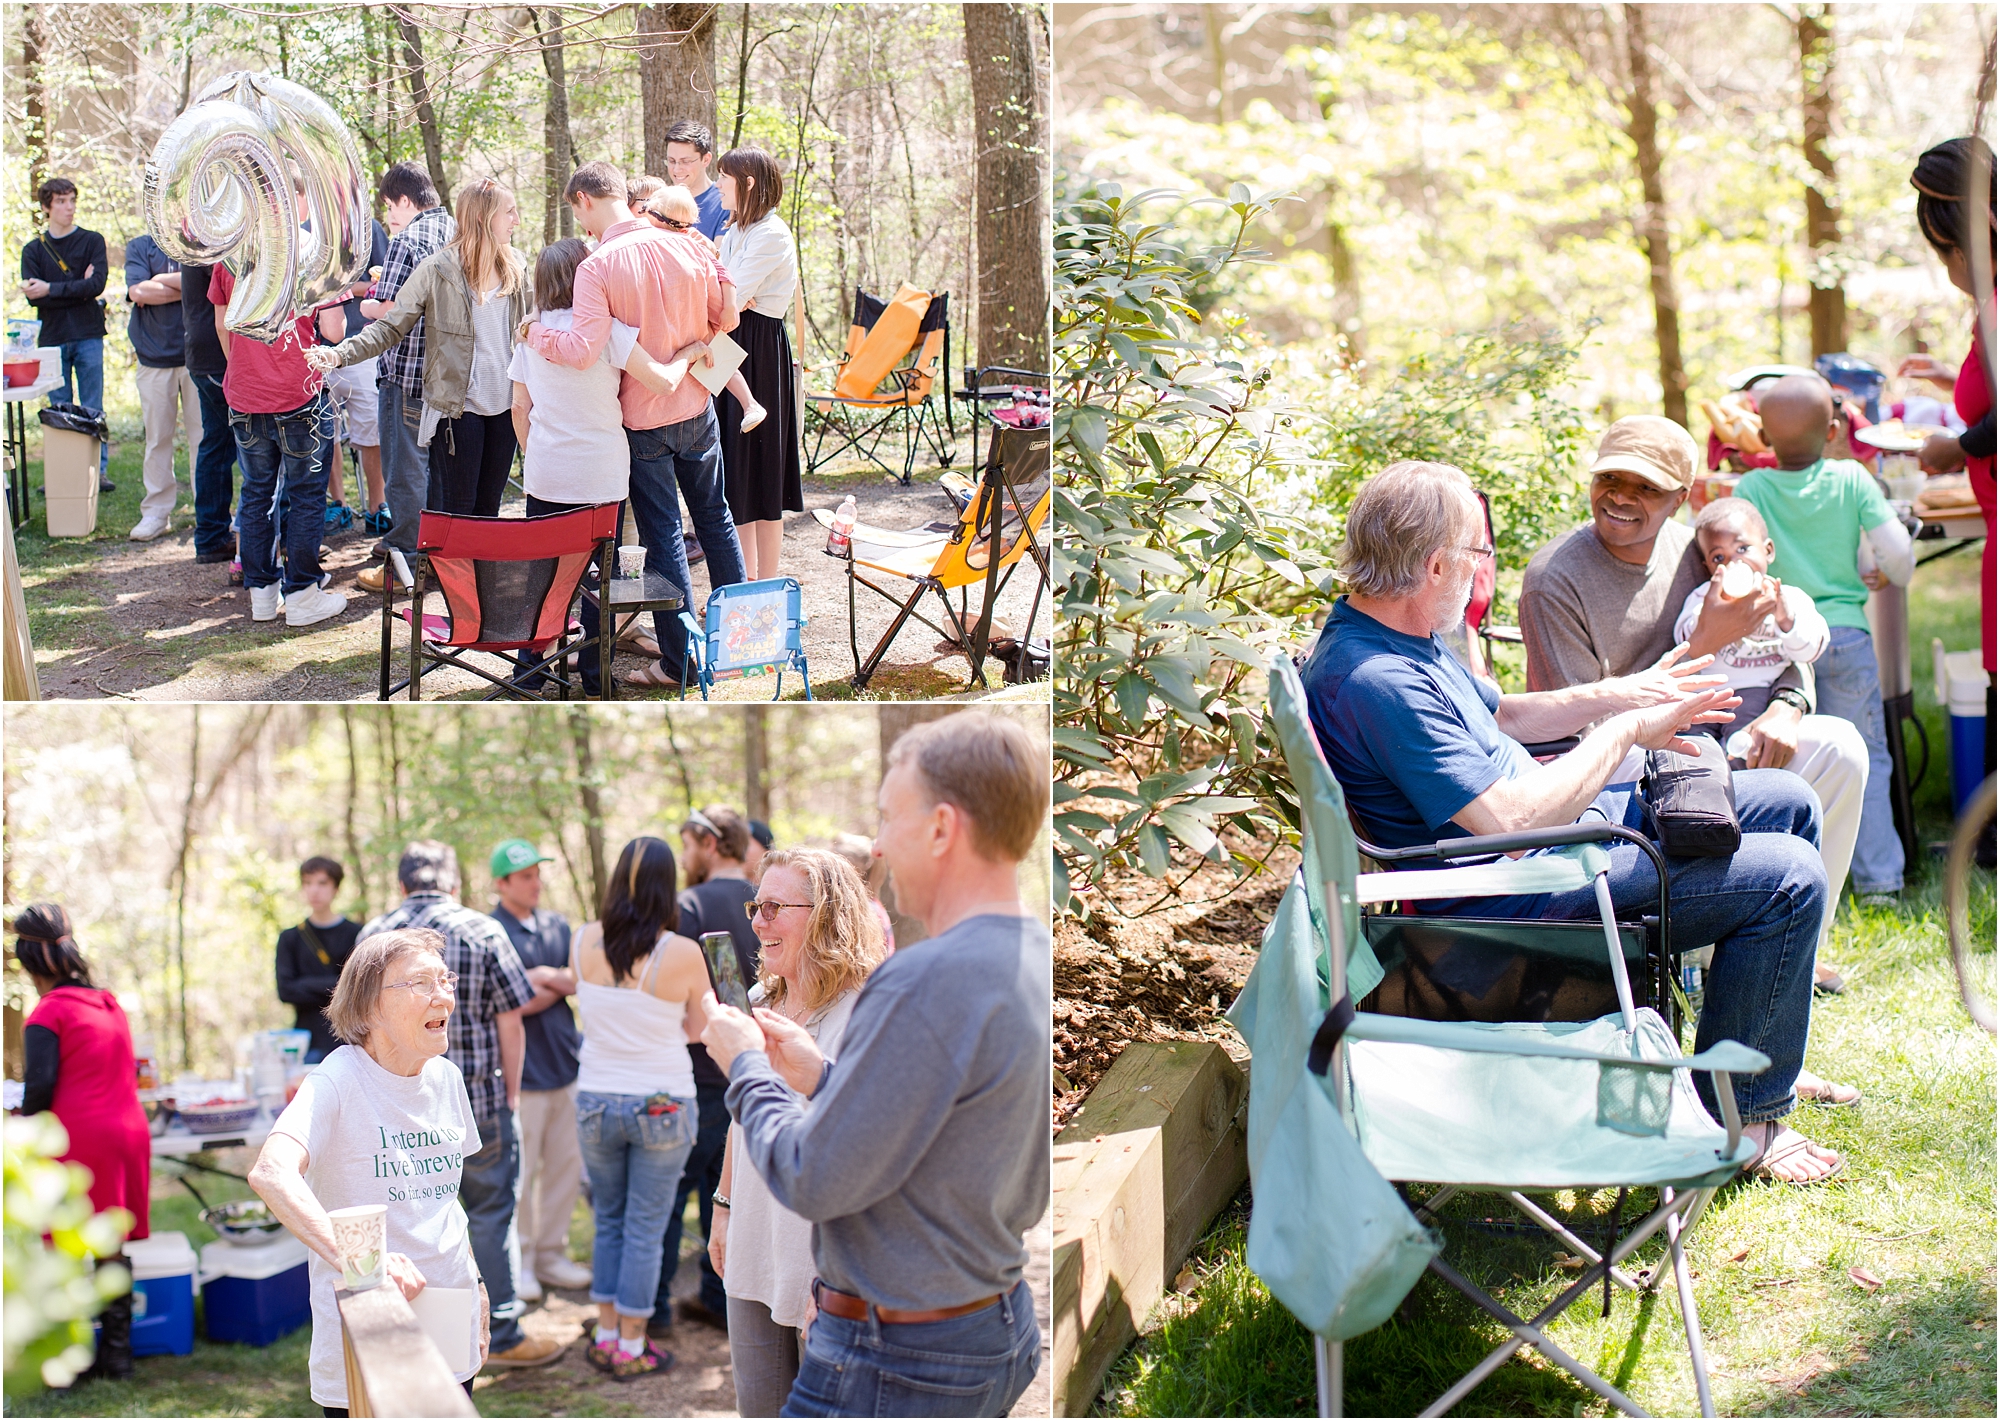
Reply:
x=1424, y=751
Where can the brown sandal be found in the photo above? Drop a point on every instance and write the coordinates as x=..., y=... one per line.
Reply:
x=1824, y=1092
x=1785, y=1143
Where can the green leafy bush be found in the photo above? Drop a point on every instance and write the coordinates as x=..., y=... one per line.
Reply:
x=53, y=1287
x=1205, y=476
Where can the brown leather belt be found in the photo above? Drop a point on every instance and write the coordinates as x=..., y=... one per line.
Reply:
x=839, y=1304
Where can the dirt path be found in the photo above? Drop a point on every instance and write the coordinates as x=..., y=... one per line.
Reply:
x=144, y=621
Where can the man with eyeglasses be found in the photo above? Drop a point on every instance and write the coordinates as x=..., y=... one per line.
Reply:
x=923, y=1157
x=713, y=843
x=689, y=148
x=488, y=1044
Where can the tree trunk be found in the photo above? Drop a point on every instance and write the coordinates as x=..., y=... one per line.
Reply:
x=37, y=136
x=1827, y=303
x=558, y=146
x=756, y=763
x=420, y=94
x=356, y=859
x=742, y=78
x=1642, y=126
x=680, y=764
x=1218, y=60
x=593, y=806
x=1011, y=183
x=676, y=72
x=1346, y=274
x=181, y=881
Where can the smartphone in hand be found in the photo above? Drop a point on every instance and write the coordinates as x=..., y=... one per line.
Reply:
x=724, y=970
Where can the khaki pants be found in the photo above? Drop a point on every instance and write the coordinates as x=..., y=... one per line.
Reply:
x=167, y=397
x=551, y=1174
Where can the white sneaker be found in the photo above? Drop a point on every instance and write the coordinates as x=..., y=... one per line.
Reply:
x=266, y=603
x=149, y=529
x=527, y=1288
x=752, y=417
x=312, y=605
x=562, y=1273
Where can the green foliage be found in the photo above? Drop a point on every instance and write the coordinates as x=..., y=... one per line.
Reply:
x=53, y=1289
x=1205, y=480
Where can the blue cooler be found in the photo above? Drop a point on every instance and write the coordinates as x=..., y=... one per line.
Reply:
x=254, y=1292
x=1961, y=690
x=163, y=1268
x=1857, y=377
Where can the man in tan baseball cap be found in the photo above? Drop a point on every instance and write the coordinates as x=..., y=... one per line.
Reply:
x=1651, y=447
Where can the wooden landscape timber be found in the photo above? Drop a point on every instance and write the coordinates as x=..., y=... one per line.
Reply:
x=1154, y=1154
x=393, y=1367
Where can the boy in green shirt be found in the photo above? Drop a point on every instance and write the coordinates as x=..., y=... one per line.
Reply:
x=1837, y=539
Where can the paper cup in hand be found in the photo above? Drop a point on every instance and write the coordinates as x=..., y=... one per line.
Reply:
x=631, y=561
x=361, y=1241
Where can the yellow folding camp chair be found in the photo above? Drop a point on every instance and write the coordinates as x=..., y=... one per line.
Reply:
x=875, y=389
x=998, y=527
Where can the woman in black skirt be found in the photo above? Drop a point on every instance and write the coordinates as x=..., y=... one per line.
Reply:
x=760, y=466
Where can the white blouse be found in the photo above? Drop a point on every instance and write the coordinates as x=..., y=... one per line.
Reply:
x=763, y=264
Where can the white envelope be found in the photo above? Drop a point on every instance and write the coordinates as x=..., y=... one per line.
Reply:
x=728, y=356
x=450, y=1318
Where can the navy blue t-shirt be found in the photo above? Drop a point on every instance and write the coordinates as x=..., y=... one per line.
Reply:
x=713, y=213
x=553, y=1038
x=1409, y=732
x=155, y=331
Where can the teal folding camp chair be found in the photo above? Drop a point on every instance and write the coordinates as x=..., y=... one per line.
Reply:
x=1505, y=1107
x=748, y=628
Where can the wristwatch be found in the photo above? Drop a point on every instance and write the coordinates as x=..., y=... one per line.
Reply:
x=1794, y=698
x=719, y=1199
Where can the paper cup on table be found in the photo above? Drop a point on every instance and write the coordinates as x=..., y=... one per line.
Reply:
x=361, y=1241
x=631, y=561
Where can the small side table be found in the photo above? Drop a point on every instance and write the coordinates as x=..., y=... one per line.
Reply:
x=628, y=598
x=18, y=399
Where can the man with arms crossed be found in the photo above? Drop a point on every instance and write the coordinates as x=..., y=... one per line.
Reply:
x=1425, y=752
x=923, y=1156
x=1602, y=600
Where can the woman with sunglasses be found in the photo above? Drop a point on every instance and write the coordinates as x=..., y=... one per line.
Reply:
x=80, y=1068
x=639, y=987
x=820, y=939
x=384, y=1119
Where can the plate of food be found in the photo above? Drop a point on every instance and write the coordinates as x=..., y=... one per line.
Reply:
x=243, y=1219
x=1895, y=437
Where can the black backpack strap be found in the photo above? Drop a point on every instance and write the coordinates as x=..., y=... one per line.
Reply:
x=1332, y=1027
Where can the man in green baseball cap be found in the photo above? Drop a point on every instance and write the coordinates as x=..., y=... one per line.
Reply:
x=551, y=1162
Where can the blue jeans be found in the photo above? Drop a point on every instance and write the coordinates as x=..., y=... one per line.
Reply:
x=976, y=1365
x=283, y=454
x=1850, y=686
x=486, y=1189
x=634, y=1161
x=406, y=469
x=214, y=469
x=1760, y=907
x=83, y=383
x=701, y=1177
x=687, y=456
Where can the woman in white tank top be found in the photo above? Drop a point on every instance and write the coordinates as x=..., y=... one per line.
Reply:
x=639, y=987
x=820, y=939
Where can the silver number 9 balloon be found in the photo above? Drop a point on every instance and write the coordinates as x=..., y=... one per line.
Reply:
x=220, y=188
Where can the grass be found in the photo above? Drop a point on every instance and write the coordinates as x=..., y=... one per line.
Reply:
x=232, y=1379
x=1788, y=1331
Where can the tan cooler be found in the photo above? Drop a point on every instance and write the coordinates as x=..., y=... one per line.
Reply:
x=69, y=472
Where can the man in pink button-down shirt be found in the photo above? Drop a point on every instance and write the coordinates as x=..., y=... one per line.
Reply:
x=640, y=276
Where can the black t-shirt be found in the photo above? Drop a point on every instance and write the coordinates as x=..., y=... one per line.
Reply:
x=717, y=907
x=204, y=351
x=309, y=963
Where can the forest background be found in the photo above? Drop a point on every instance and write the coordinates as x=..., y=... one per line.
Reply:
x=912, y=150
x=173, y=834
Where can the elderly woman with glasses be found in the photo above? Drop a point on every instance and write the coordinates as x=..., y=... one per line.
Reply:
x=385, y=1119
x=820, y=938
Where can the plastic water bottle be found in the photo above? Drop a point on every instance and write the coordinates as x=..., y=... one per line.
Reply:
x=840, y=537
x=1693, y=976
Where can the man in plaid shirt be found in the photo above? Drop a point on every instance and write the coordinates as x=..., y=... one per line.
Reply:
x=488, y=1044
x=410, y=209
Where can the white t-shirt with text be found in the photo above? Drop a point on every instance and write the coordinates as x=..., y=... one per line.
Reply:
x=374, y=1137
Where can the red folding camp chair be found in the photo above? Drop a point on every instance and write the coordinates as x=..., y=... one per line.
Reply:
x=508, y=585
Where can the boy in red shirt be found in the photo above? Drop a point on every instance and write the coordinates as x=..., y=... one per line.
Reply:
x=283, y=422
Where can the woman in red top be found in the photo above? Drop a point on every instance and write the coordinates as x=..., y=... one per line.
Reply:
x=79, y=1065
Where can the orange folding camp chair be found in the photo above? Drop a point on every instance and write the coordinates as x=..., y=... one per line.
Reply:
x=887, y=375
x=997, y=528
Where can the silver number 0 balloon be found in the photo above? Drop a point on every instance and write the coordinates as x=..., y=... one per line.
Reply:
x=220, y=188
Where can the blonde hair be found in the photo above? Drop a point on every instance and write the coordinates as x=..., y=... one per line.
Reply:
x=675, y=204
x=486, y=259
x=351, y=1013
x=843, y=942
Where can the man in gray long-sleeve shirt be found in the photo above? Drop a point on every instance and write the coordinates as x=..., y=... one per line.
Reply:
x=921, y=1156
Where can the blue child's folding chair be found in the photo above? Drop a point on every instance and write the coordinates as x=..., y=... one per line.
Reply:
x=751, y=627
x=1504, y=1107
